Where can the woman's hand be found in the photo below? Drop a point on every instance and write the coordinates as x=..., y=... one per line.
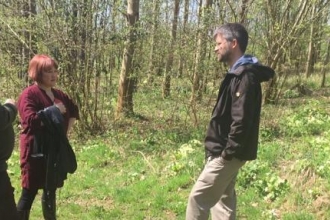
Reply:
x=61, y=107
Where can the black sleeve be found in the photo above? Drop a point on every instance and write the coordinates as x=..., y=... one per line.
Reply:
x=8, y=114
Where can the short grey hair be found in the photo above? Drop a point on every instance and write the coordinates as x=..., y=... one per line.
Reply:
x=231, y=31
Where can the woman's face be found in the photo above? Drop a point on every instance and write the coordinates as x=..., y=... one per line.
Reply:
x=49, y=78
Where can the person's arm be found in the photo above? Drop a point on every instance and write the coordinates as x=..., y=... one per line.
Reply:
x=71, y=109
x=70, y=124
x=244, y=103
x=28, y=109
x=8, y=113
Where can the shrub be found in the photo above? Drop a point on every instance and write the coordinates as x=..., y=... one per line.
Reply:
x=311, y=119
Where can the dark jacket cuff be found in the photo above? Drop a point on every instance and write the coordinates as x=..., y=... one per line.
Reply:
x=226, y=156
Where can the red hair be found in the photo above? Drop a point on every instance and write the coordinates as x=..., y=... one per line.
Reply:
x=40, y=63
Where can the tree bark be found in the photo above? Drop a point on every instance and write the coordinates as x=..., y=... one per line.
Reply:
x=311, y=45
x=169, y=63
x=201, y=51
x=126, y=81
x=152, y=43
x=183, y=39
x=325, y=64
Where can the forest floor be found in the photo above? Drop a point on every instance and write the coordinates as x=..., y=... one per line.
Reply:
x=143, y=168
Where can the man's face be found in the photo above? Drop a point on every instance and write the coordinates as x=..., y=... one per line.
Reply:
x=222, y=48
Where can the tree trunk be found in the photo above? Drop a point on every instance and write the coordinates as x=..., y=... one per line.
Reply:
x=29, y=11
x=280, y=40
x=311, y=45
x=169, y=63
x=152, y=41
x=201, y=51
x=325, y=64
x=126, y=82
x=243, y=12
x=183, y=39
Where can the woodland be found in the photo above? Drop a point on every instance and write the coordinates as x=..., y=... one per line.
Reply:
x=110, y=49
x=145, y=78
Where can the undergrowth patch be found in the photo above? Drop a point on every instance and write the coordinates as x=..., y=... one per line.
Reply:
x=144, y=167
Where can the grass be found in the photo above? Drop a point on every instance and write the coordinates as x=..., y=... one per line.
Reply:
x=143, y=168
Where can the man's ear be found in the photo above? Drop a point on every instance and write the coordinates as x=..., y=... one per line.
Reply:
x=234, y=43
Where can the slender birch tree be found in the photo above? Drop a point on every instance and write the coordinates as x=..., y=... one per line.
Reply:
x=169, y=62
x=126, y=82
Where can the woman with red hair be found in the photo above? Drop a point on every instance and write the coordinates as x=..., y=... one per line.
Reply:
x=40, y=148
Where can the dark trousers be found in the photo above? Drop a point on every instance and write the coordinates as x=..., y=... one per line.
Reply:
x=7, y=201
x=48, y=202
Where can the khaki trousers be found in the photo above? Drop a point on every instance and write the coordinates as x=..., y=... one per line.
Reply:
x=214, y=191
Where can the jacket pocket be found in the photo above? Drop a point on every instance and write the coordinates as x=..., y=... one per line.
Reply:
x=38, y=148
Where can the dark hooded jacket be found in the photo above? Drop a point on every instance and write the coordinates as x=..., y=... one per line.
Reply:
x=8, y=114
x=55, y=146
x=234, y=126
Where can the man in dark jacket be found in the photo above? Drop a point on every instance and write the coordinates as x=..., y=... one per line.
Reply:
x=8, y=114
x=232, y=135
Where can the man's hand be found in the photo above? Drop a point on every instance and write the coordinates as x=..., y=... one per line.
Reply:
x=225, y=156
x=10, y=101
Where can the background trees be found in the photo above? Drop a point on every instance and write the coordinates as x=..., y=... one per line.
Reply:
x=171, y=40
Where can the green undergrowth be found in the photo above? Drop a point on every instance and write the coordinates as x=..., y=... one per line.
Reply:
x=144, y=168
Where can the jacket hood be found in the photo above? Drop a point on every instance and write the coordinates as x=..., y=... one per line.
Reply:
x=251, y=64
x=244, y=60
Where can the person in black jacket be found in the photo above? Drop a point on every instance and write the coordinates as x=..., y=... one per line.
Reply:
x=8, y=112
x=232, y=135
